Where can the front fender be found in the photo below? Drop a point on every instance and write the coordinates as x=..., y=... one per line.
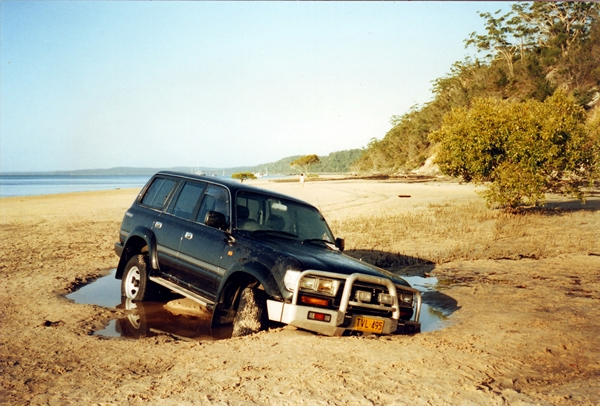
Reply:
x=257, y=271
x=140, y=240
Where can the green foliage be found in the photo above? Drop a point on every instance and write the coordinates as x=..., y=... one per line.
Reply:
x=526, y=53
x=338, y=162
x=306, y=162
x=500, y=30
x=524, y=149
x=593, y=129
x=242, y=176
x=405, y=144
x=281, y=166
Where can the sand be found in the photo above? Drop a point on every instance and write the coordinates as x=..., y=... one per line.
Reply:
x=521, y=331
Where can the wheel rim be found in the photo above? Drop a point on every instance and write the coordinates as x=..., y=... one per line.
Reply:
x=134, y=318
x=132, y=282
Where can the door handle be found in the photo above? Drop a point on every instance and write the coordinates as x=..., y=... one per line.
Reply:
x=188, y=235
x=157, y=224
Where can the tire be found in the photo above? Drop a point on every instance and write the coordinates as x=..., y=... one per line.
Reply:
x=251, y=316
x=135, y=284
x=134, y=325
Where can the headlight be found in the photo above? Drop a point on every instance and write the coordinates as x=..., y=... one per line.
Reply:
x=363, y=296
x=328, y=286
x=385, y=299
x=291, y=279
x=406, y=298
x=309, y=283
x=323, y=286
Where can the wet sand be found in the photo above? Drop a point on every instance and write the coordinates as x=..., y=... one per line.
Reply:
x=522, y=332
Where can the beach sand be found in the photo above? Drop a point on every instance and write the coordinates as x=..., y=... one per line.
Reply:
x=520, y=331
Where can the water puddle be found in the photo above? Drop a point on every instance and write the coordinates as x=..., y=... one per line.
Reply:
x=104, y=291
x=432, y=317
x=179, y=317
x=150, y=319
x=184, y=319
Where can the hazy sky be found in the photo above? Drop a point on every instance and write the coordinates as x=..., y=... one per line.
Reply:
x=215, y=84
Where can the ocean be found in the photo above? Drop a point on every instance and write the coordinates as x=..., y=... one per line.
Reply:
x=23, y=185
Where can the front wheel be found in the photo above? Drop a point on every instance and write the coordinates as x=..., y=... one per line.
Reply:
x=251, y=315
x=135, y=284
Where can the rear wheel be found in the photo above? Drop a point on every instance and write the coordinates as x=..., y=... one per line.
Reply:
x=251, y=315
x=135, y=284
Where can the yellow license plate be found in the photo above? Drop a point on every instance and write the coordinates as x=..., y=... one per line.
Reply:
x=368, y=325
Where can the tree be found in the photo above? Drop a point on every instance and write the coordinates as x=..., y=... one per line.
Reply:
x=305, y=162
x=533, y=50
x=521, y=150
x=499, y=38
x=242, y=176
x=551, y=27
x=560, y=24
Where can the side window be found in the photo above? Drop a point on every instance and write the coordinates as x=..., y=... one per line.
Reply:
x=188, y=199
x=215, y=199
x=248, y=212
x=249, y=209
x=279, y=217
x=157, y=193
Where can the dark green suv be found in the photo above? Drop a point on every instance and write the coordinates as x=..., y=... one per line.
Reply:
x=253, y=257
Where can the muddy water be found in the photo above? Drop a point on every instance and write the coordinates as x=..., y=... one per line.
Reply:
x=146, y=319
x=431, y=318
x=150, y=319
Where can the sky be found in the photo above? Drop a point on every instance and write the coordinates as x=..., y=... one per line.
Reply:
x=103, y=84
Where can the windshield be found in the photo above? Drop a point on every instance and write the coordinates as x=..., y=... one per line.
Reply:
x=263, y=213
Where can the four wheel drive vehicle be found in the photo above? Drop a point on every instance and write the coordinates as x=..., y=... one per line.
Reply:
x=252, y=257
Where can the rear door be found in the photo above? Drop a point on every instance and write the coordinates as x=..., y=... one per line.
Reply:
x=155, y=200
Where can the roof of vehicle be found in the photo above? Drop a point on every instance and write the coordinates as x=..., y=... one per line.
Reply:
x=233, y=185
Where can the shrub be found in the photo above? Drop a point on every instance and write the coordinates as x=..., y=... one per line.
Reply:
x=523, y=149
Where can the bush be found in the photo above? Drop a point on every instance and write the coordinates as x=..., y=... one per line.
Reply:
x=242, y=176
x=523, y=149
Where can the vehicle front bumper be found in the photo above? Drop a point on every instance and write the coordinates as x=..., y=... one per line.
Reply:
x=340, y=320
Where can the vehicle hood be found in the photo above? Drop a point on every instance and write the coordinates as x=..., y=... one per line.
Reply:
x=319, y=257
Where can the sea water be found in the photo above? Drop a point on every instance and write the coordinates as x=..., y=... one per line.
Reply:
x=28, y=185
x=25, y=185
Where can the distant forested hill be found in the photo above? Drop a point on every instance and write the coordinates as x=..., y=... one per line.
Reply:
x=528, y=53
x=336, y=162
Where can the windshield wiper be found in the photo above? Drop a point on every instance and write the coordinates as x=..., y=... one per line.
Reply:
x=327, y=243
x=274, y=233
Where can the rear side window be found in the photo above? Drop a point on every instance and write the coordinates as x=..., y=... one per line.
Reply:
x=157, y=193
x=188, y=200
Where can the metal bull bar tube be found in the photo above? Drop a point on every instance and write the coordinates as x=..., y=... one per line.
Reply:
x=350, y=279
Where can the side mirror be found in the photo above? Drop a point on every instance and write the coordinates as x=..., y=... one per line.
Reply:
x=216, y=220
x=340, y=243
